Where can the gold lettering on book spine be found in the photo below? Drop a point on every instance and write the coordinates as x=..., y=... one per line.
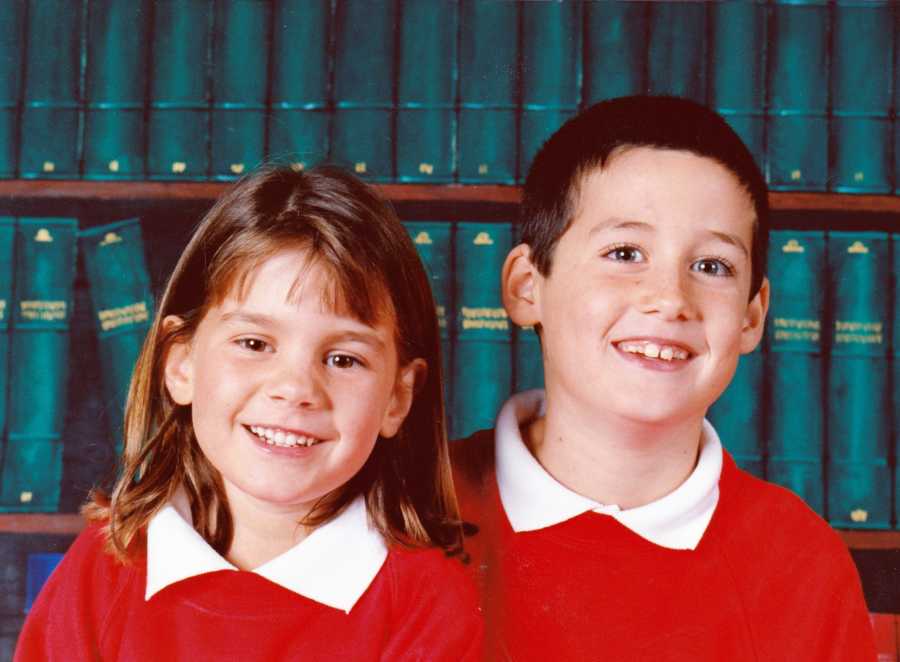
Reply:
x=2, y=309
x=793, y=246
x=43, y=311
x=113, y=318
x=787, y=328
x=494, y=319
x=858, y=248
x=858, y=333
x=423, y=239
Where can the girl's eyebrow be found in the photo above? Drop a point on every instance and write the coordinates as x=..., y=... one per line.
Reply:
x=243, y=316
x=346, y=334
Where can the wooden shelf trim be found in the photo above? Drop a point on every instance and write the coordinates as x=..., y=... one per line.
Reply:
x=86, y=190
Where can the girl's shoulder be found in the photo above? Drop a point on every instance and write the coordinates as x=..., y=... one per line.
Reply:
x=428, y=574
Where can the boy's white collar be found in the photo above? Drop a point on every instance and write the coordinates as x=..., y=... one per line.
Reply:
x=333, y=565
x=533, y=499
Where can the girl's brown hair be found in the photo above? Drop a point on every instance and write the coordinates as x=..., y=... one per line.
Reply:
x=356, y=237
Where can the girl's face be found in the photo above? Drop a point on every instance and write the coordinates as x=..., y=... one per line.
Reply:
x=288, y=397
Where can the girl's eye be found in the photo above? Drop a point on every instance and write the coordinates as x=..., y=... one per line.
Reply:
x=342, y=361
x=624, y=253
x=713, y=267
x=253, y=344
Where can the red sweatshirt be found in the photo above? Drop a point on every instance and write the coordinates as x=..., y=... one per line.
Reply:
x=768, y=581
x=420, y=606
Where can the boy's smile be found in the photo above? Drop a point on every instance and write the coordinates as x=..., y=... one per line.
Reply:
x=645, y=310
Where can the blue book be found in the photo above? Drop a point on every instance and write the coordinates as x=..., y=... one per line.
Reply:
x=12, y=48
x=7, y=266
x=676, y=53
x=895, y=310
x=615, y=50
x=39, y=569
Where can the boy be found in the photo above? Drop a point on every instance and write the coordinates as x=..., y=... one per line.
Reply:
x=612, y=524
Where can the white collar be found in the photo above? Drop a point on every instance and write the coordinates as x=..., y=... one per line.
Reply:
x=533, y=499
x=333, y=565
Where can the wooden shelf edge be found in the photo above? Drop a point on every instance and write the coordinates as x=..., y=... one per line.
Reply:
x=868, y=540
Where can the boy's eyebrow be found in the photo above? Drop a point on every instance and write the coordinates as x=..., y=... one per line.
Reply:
x=734, y=240
x=625, y=224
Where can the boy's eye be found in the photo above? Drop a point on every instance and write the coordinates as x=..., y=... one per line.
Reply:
x=713, y=267
x=342, y=361
x=253, y=344
x=624, y=253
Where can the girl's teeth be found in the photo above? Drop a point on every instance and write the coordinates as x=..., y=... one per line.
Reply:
x=281, y=438
x=667, y=353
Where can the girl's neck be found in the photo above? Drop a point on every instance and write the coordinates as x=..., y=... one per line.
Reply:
x=262, y=531
x=613, y=461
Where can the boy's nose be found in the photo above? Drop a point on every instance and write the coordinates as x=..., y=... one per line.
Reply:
x=668, y=296
x=297, y=387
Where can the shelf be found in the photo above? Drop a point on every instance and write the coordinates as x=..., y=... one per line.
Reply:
x=71, y=523
x=201, y=192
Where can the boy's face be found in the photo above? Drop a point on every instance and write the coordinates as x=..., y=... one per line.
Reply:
x=646, y=308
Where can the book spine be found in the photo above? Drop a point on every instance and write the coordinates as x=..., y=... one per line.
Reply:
x=737, y=68
x=434, y=242
x=738, y=414
x=12, y=44
x=528, y=362
x=488, y=89
x=676, y=53
x=482, y=361
x=859, y=483
x=551, y=73
x=895, y=390
x=122, y=303
x=364, y=66
x=426, y=91
x=796, y=433
x=178, y=115
x=798, y=98
x=45, y=269
x=38, y=569
x=615, y=56
x=115, y=89
x=7, y=266
x=239, y=87
x=861, y=96
x=50, y=142
x=299, y=115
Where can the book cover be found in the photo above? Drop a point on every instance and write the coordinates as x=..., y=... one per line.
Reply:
x=895, y=383
x=676, y=51
x=737, y=69
x=364, y=66
x=615, y=50
x=798, y=98
x=861, y=79
x=434, y=242
x=426, y=90
x=239, y=87
x=116, y=89
x=50, y=144
x=7, y=265
x=12, y=48
x=488, y=62
x=859, y=481
x=122, y=303
x=178, y=116
x=44, y=271
x=739, y=414
x=551, y=73
x=794, y=368
x=528, y=362
x=482, y=358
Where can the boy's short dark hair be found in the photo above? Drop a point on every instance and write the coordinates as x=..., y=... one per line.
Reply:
x=588, y=140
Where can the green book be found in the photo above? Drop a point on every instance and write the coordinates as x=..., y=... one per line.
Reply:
x=798, y=96
x=50, y=144
x=737, y=77
x=299, y=119
x=615, y=54
x=426, y=90
x=794, y=369
x=482, y=360
x=122, y=303
x=895, y=241
x=676, y=52
x=12, y=43
x=551, y=73
x=739, y=416
x=7, y=244
x=859, y=480
x=488, y=58
x=44, y=272
x=178, y=115
x=528, y=360
x=115, y=89
x=364, y=66
x=863, y=34
x=239, y=88
x=434, y=241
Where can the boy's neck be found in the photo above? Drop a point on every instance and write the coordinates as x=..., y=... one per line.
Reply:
x=611, y=461
x=262, y=531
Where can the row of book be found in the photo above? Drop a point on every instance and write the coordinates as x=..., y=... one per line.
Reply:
x=432, y=90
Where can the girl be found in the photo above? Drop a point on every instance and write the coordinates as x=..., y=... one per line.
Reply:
x=285, y=457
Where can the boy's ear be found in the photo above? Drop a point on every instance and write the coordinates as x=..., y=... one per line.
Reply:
x=517, y=285
x=178, y=366
x=409, y=380
x=755, y=319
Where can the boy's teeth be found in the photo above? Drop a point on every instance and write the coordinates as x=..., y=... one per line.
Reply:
x=654, y=351
x=281, y=438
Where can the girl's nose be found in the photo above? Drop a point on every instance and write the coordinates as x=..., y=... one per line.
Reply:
x=296, y=386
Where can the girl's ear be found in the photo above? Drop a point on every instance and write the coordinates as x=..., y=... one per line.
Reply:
x=517, y=284
x=178, y=366
x=755, y=319
x=409, y=379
